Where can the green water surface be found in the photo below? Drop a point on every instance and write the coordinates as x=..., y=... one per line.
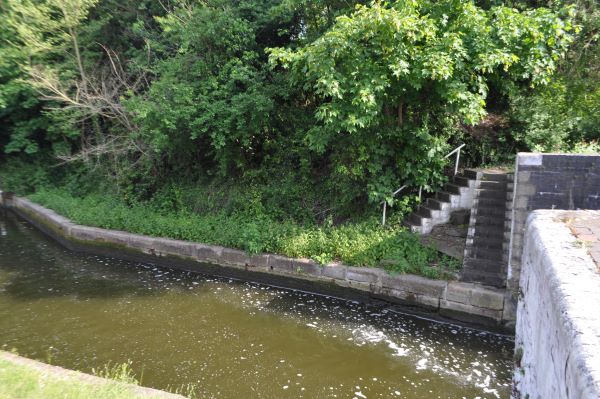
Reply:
x=230, y=339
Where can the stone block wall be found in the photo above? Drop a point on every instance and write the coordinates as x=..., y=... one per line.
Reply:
x=548, y=181
x=557, y=342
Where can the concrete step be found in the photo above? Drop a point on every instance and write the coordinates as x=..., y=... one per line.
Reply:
x=470, y=174
x=415, y=219
x=423, y=211
x=412, y=227
x=446, y=196
x=433, y=203
x=462, y=181
x=453, y=188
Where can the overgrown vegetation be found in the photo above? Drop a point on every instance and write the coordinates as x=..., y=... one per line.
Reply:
x=283, y=117
x=22, y=381
x=361, y=244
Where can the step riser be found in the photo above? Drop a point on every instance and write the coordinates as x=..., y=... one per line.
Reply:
x=493, y=194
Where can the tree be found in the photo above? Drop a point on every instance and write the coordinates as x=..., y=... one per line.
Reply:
x=391, y=78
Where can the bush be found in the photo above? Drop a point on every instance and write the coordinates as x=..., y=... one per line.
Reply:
x=364, y=243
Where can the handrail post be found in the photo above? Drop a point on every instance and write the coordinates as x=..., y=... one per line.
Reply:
x=457, y=160
x=383, y=217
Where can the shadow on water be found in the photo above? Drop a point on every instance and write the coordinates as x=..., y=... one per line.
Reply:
x=33, y=266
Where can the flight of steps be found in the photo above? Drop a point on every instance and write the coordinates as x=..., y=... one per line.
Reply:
x=456, y=195
x=485, y=258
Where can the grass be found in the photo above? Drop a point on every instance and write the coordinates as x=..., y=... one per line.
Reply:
x=364, y=243
x=23, y=381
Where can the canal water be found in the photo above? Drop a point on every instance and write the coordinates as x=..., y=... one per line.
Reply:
x=230, y=339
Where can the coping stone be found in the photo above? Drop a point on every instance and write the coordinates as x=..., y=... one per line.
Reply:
x=470, y=309
x=260, y=261
x=413, y=283
x=280, y=264
x=530, y=159
x=487, y=298
x=334, y=270
x=167, y=246
x=235, y=257
x=362, y=275
x=207, y=253
x=306, y=266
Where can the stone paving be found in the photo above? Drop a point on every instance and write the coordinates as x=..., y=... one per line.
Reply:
x=448, y=239
x=585, y=226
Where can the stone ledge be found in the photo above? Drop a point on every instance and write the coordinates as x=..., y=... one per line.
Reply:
x=483, y=303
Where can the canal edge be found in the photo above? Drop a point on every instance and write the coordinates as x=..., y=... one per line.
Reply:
x=452, y=301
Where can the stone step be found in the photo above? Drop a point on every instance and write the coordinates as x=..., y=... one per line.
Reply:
x=494, y=211
x=494, y=202
x=494, y=194
x=491, y=279
x=476, y=232
x=487, y=230
x=487, y=242
x=487, y=176
x=493, y=254
x=489, y=220
x=493, y=185
x=483, y=265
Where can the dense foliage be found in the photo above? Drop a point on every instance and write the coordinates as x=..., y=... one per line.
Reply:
x=361, y=244
x=304, y=113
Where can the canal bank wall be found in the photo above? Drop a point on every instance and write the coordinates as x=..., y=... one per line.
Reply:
x=557, y=342
x=446, y=300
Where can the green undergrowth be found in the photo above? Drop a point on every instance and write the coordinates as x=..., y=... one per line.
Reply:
x=364, y=243
x=22, y=381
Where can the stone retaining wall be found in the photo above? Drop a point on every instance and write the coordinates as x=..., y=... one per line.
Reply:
x=548, y=181
x=557, y=348
x=465, y=302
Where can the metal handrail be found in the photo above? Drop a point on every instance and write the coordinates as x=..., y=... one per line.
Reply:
x=457, y=151
x=454, y=151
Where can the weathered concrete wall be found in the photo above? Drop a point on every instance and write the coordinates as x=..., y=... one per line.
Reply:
x=547, y=181
x=453, y=300
x=557, y=348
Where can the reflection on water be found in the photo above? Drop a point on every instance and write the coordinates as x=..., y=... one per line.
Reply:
x=231, y=339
